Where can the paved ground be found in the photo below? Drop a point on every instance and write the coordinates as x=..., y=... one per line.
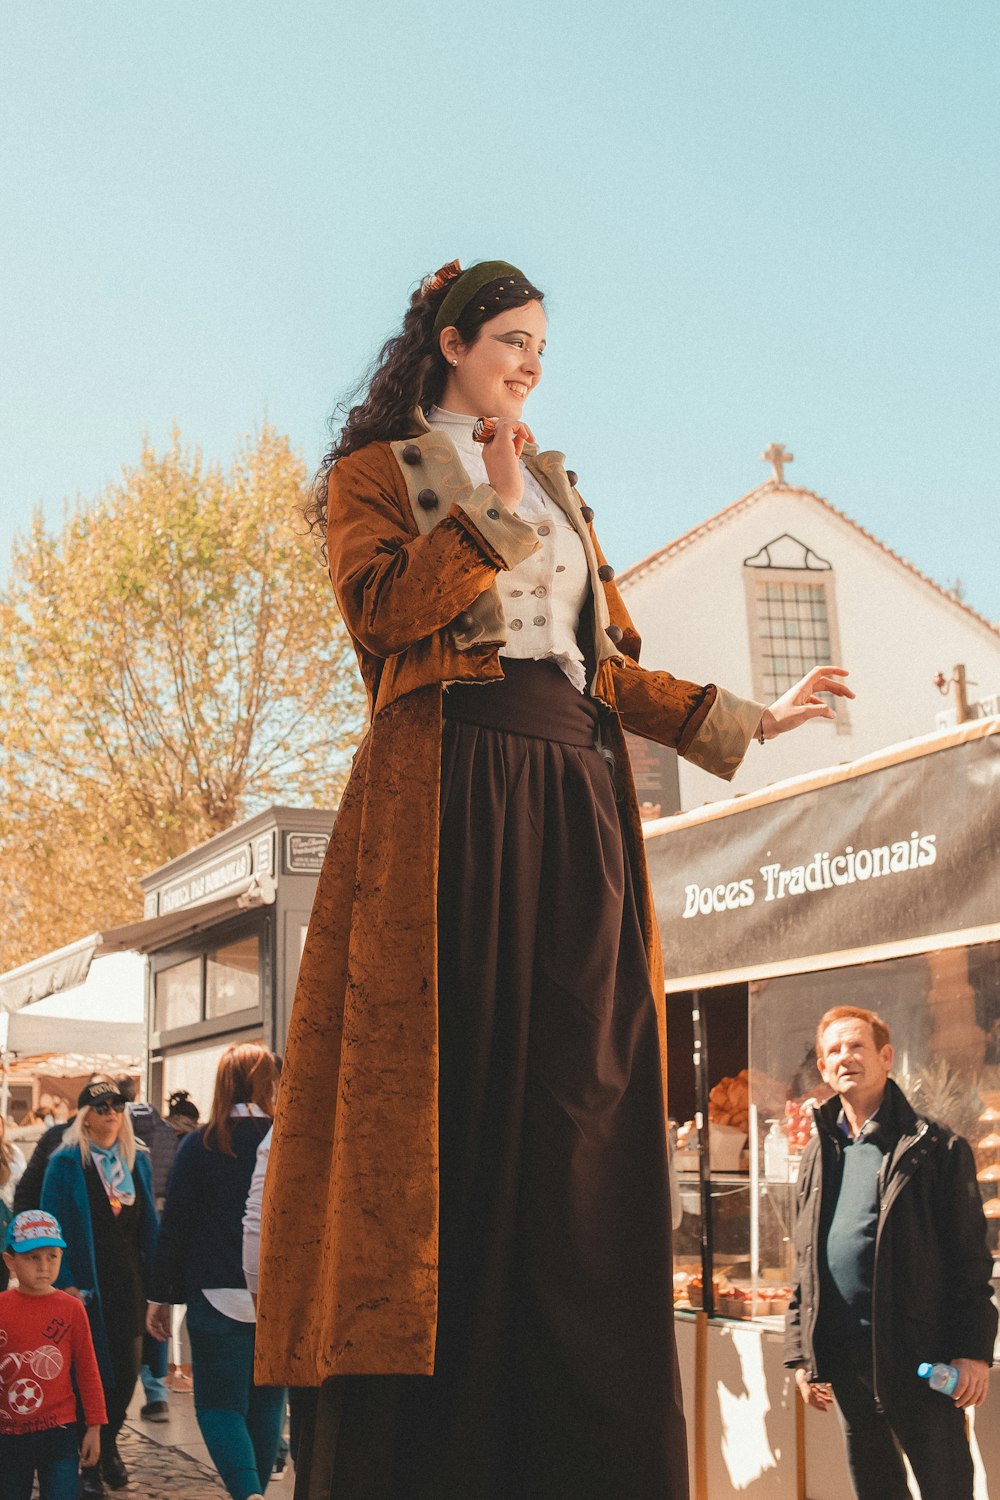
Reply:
x=161, y=1464
x=157, y=1472
x=168, y=1460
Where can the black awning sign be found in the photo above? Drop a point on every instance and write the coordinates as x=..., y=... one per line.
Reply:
x=904, y=851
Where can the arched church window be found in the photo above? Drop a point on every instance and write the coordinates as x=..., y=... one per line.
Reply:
x=791, y=604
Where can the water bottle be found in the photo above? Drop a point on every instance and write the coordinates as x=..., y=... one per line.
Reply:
x=943, y=1378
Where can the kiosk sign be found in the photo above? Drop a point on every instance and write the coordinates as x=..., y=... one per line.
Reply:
x=208, y=880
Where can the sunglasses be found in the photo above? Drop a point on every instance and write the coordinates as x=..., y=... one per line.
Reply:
x=107, y=1106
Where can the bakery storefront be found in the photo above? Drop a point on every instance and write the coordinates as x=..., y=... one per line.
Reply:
x=875, y=883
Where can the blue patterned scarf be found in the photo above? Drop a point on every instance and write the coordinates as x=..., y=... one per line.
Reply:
x=116, y=1176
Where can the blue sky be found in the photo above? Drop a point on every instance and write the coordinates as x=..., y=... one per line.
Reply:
x=754, y=221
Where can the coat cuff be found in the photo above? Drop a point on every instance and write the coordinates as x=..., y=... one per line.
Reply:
x=724, y=734
x=504, y=534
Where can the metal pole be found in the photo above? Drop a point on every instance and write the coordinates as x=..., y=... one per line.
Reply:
x=704, y=1150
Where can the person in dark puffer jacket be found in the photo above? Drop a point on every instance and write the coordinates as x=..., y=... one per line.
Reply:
x=892, y=1269
x=161, y=1141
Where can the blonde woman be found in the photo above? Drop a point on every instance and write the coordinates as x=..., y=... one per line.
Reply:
x=99, y=1186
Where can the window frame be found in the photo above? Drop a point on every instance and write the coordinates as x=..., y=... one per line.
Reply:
x=201, y=948
x=755, y=579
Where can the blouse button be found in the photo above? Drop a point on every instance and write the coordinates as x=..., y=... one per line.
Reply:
x=540, y=592
x=543, y=530
x=515, y=624
x=427, y=500
x=605, y=572
x=411, y=454
x=516, y=593
x=560, y=567
x=538, y=620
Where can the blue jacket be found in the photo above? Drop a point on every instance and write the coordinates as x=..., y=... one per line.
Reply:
x=64, y=1194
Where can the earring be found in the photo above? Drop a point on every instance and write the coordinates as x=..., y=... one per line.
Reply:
x=455, y=363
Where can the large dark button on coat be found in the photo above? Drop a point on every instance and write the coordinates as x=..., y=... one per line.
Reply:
x=614, y=633
x=573, y=478
x=586, y=513
x=493, y=513
x=605, y=572
x=411, y=454
x=428, y=499
x=465, y=620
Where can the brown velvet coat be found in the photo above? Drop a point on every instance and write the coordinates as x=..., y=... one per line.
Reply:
x=348, y=1280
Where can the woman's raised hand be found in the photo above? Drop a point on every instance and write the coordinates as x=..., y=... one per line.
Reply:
x=501, y=456
x=801, y=703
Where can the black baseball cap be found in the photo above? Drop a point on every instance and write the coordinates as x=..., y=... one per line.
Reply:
x=100, y=1093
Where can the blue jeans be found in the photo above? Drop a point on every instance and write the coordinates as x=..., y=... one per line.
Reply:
x=154, y=1369
x=53, y=1454
x=240, y=1422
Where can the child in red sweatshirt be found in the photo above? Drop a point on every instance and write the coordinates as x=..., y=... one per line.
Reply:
x=44, y=1342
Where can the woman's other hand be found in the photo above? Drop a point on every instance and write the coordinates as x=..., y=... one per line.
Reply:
x=501, y=456
x=814, y=1394
x=158, y=1320
x=802, y=703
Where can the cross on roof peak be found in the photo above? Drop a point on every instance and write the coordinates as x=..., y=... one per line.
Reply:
x=776, y=456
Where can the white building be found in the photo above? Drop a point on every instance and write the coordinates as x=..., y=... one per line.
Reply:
x=780, y=581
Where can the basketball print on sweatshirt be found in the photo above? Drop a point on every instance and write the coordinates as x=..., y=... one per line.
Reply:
x=45, y=1363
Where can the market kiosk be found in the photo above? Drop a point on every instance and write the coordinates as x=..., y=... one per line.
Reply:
x=875, y=883
x=224, y=927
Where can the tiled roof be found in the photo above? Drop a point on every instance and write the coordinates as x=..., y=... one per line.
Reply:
x=688, y=538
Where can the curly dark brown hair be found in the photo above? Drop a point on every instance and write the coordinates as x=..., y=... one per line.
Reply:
x=409, y=371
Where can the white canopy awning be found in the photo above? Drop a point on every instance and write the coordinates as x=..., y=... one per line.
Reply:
x=34, y=1036
x=69, y=966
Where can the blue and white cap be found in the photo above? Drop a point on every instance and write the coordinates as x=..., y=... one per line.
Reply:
x=33, y=1230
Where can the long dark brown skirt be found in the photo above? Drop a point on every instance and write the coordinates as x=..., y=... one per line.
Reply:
x=556, y=1372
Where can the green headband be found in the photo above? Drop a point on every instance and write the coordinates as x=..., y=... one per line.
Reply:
x=468, y=285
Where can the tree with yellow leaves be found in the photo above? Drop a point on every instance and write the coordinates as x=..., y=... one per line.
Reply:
x=173, y=661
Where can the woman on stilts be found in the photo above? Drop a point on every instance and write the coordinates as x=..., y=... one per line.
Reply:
x=466, y=1231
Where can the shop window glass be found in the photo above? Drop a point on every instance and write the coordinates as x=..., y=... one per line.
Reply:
x=177, y=996
x=232, y=977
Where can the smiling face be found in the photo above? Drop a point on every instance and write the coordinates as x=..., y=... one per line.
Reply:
x=102, y=1127
x=492, y=376
x=852, y=1064
x=36, y=1270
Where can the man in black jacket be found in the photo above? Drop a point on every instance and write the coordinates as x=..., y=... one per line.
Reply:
x=892, y=1268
